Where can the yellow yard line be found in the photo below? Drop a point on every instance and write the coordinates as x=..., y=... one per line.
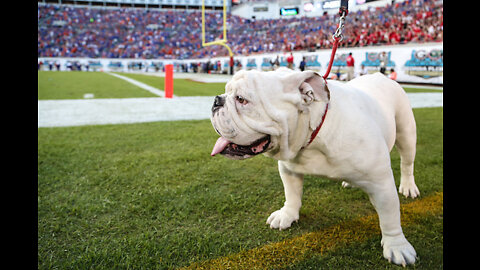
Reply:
x=280, y=254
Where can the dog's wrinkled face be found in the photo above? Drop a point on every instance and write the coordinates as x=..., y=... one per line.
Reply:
x=267, y=112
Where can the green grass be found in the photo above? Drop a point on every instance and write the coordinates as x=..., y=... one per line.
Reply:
x=73, y=85
x=185, y=87
x=422, y=90
x=149, y=196
x=426, y=236
x=181, y=87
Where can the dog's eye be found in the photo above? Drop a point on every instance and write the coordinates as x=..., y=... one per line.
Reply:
x=241, y=100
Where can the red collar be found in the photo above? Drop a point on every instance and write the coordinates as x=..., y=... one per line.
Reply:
x=315, y=132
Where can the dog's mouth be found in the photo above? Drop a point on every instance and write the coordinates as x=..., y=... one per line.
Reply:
x=235, y=151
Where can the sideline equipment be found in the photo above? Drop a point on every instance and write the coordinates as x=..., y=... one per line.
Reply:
x=168, y=84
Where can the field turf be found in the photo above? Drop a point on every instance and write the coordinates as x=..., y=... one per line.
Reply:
x=410, y=89
x=181, y=87
x=149, y=196
x=73, y=85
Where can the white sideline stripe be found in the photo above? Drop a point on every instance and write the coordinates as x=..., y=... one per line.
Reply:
x=425, y=100
x=407, y=85
x=79, y=112
x=149, y=88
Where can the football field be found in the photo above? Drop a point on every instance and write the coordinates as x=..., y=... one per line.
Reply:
x=137, y=98
x=148, y=195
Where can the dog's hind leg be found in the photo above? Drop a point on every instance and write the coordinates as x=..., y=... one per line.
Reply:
x=406, y=139
x=383, y=195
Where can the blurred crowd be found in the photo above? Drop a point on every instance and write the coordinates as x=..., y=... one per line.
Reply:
x=72, y=31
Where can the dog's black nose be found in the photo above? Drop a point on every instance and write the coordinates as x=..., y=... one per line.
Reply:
x=219, y=102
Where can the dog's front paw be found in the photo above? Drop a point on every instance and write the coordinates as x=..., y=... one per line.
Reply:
x=282, y=218
x=398, y=250
x=409, y=189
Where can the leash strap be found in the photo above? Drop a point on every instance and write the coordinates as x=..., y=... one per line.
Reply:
x=314, y=134
x=338, y=36
x=332, y=57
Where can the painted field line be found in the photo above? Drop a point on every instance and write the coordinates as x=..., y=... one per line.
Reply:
x=149, y=88
x=289, y=251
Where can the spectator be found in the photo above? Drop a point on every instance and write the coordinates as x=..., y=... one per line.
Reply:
x=219, y=67
x=128, y=32
x=290, y=61
x=393, y=74
x=338, y=74
x=303, y=64
x=363, y=70
x=350, y=66
x=383, y=62
x=275, y=64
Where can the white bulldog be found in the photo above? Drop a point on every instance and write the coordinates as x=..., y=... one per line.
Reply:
x=279, y=113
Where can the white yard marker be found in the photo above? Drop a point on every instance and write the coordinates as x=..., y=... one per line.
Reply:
x=149, y=88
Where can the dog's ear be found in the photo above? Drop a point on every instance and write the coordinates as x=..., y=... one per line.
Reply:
x=311, y=85
x=314, y=88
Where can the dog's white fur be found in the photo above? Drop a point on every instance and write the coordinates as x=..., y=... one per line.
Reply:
x=366, y=117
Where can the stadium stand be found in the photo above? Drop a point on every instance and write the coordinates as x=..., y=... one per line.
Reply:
x=99, y=32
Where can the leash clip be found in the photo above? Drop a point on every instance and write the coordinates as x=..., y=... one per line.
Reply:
x=337, y=36
x=338, y=33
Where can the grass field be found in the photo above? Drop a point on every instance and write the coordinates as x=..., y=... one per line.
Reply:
x=149, y=196
x=73, y=85
x=410, y=89
x=181, y=87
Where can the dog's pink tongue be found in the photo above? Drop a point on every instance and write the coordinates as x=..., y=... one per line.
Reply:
x=219, y=146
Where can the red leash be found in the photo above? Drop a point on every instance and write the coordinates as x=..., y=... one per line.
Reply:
x=314, y=134
x=332, y=57
x=338, y=36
